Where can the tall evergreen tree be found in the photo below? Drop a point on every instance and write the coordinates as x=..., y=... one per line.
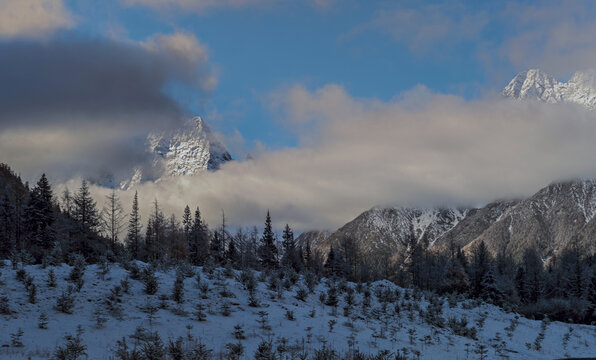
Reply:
x=84, y=208
x=155, y=234
x=481, y=263
x=133, y=236
x=7, y=213
x=187, y=223
x=86, y=217
x=39, y=215
x=232, y=252
x=490, y=291
x=333, y=263
x=290, y=256
x=268, y=250
x=112, y=219
x=199, y=240
x=455, y=278
x=308, y=260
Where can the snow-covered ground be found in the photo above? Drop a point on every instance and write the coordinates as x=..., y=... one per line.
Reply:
x=374, y=328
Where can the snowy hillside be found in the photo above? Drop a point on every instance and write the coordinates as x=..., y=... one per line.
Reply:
x=537, y=85
x=283, y=313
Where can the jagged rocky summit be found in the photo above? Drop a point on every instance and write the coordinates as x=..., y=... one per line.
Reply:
x=185, y=151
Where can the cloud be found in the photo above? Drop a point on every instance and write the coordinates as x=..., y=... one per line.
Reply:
x=196, y=5
x=189, y=55
x=420, y=149
x=86, y=106
x=429, y=26
x=557, y=36
x=202, y=6
x=33, y=18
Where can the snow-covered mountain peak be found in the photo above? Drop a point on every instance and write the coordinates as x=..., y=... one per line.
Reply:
x=537, y=85
x=185, y=151
x=533, y=84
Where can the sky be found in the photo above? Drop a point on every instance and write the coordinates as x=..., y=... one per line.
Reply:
x=343, y=104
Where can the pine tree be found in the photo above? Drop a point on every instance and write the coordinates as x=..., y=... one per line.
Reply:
x=187, y=224
x=7, y=236
x=333, y=264
x=155, y=235
x=520, y=285
x=39, y=215
x=174, y=235
x=232, y=252
x=133, y=237
x=290, y=256
x=455, y=278
x=85, y=209
x=490, y=290
x=481, y=263
x=112, y=218
x=199, y=240
x=268, y=250
x=533, y=271
x=308, y=255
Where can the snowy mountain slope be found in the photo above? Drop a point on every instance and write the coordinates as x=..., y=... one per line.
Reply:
x=548, y=221
x=314, y=237
x=474, y=224
x=392, y=319
x=382, y=231
x=185, y=151
x=536, y=85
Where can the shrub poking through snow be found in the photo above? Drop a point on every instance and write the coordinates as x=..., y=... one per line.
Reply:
x=65, y=302
x=73, y=348
x=16, y=339
x=150, y=281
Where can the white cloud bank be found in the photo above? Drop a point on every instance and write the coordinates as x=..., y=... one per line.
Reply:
x=418, y=149
x=33, y=18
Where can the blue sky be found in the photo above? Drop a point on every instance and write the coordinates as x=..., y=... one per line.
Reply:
x=259, y=48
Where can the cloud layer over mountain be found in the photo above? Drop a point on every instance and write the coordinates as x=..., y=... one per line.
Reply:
x=418, y=149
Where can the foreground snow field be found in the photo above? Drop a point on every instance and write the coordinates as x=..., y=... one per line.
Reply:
x=301, y=326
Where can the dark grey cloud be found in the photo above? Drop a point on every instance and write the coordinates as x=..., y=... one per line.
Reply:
x=83, y=107
x=81, y=80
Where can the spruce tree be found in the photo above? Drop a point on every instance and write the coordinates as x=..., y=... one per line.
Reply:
x=481, y=263
x=268, y=250
x=290, y=256
x=112, y=219
x=85, y=209
x=490, y=290
x=187, y=224
x=39, y=215
x=155, y=235
x=308, y=255
x=133, y=237
x=232, y=252
x=199, y=240
x=7, y=212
